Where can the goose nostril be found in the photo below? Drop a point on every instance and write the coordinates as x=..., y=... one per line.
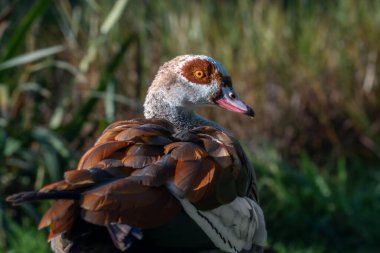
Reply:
x=232, y=95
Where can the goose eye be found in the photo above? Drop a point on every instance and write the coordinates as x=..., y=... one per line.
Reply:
x=199, y=74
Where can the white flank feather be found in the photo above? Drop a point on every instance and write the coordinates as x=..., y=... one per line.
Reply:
x=231, y=227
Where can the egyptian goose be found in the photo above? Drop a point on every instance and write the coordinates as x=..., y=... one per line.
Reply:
x=172, y=181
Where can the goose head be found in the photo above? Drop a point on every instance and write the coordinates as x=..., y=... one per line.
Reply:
x=188, y=81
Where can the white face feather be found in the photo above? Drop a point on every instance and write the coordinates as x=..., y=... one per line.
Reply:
x=187, y=93
x=200, y=94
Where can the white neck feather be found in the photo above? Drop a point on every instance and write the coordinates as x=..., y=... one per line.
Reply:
x=157, y=106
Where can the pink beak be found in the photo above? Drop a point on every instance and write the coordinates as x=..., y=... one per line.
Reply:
x=230, y=101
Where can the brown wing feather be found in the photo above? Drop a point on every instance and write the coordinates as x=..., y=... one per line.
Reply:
x=81, y=177
x=99, y=153
x=57, y=211
x=244, y=173
x=247, y=172
x=123, y=178
x=186, y=151
x=128, y=202
x=61, y=216
x=108, y=136
x=56, y=186
x=156, y=174
x=211, y=168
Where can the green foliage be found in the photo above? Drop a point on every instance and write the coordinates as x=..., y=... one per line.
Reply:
x=27, y=237
x=281, y=248
x=310, y=68
x=329, y=208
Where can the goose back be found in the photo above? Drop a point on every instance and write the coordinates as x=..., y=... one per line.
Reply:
x=138, y=169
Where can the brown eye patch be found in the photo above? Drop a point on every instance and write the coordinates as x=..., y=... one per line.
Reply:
x=199, y=71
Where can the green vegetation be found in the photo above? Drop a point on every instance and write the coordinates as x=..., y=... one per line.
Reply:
x=310, y=68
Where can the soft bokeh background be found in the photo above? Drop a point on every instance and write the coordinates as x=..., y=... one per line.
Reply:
x=310, y=69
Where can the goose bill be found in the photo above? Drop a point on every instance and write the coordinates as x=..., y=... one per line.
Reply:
x=230, y=101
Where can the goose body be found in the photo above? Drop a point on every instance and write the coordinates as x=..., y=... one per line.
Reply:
x=173, y=181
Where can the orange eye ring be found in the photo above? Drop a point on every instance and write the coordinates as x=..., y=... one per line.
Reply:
x=199, y=74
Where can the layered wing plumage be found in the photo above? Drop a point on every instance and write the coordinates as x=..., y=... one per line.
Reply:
x=140, y=171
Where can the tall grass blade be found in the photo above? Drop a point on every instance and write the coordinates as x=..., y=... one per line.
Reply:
x=58, y=115
x=31, y=57
x=109, y=101
x=4, y=100
x=18, y=37
x=113, y=16
x=95, y=45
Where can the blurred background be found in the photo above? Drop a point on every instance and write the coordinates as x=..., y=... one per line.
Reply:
x=309, y=68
